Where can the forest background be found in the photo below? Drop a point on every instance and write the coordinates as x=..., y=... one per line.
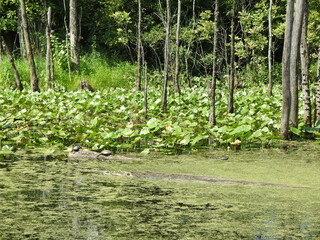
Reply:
x=166, y=74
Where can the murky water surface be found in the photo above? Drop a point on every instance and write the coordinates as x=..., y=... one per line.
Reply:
x=53, y=198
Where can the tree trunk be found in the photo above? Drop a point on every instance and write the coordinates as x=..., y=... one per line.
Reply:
x=14, y=69
x=138, y=80
x=270, y=86
x=232, y=61
x=176, y=75
x=67, y=39
x=304, y=56
x=73, y=26
x=318, y=91
x=286, y=93
x=295, y=47
x=33, y=76
x=187, y=51
x=212, y=117
x=0, y=50
x=145, y=77
x=21, y=36
x=49, y=79
x=166, y=59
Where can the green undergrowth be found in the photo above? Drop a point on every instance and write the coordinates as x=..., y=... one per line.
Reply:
x=101, y=73
x=114, y=119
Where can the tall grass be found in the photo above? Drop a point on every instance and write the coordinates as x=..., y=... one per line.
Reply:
x=101, y=73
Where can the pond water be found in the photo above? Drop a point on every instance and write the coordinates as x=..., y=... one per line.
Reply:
x=49, y=197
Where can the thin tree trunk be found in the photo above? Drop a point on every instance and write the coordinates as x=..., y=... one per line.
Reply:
x=212, y=117
x=226, y=57
x=73, y=26
x=138, y=80
x=14, y=69
x=176, y=76
x=145, y=91
x=295, y=47
x=67, y=39
x=232, y=61
x=166, y=59
x=286, y=92
x=0, y=50
x=304, y=56
x=33, y=76
x=21, y=36
x=52, y=66
x=49, y=62
x=187, y=53
x=270, y=70
x=318, y=91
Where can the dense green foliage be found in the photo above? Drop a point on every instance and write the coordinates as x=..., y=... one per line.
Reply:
x=114, y=118
x=111, y=26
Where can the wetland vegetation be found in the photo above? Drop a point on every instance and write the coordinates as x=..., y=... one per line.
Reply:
x=220, y=114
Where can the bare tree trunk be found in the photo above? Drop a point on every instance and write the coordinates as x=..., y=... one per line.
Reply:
x=270, y=70
x=73, y=26
x=232, y=62
x=187, y=53
x=304, y=56
x=286, y=92
x=318, y=91
x=67, y=39
x=33, y=76
x=145, y=91
x=14, y=69
x=0, y=50
x=166, y=58
x=21, y=36
x=295, y=47
x=212, y=117
x=49, y=62
x=138, y=80
x=176, y=76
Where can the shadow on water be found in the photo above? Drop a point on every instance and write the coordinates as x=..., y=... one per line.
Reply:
x=46, y=198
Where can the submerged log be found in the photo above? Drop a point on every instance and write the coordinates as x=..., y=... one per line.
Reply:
x=186, y=177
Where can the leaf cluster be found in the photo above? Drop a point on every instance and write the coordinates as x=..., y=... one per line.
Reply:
x=115, y=119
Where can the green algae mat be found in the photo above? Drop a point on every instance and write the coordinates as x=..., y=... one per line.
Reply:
x=50, y=197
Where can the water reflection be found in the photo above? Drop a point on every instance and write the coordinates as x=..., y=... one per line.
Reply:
x=45, y=198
